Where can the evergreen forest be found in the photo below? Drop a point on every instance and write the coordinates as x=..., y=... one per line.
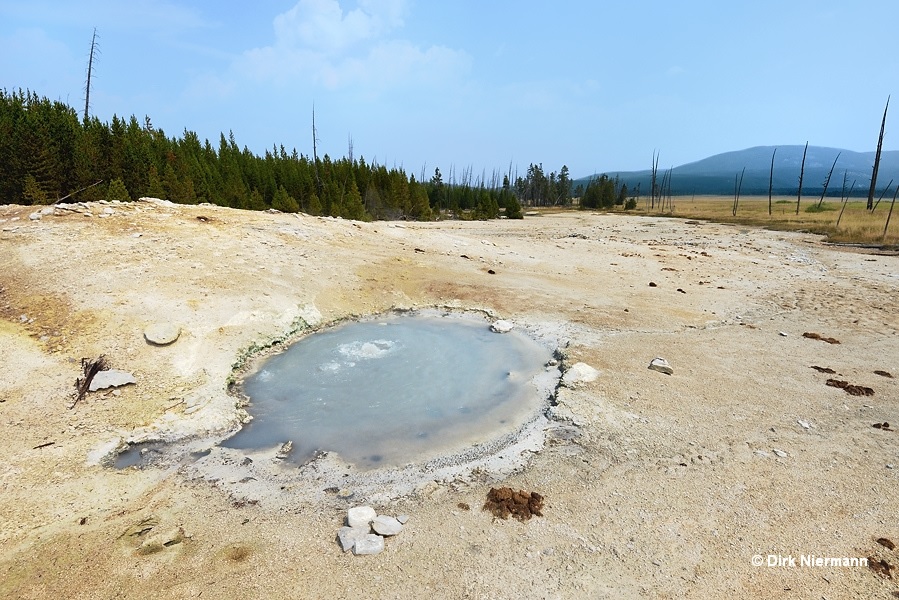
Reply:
x=48, y=154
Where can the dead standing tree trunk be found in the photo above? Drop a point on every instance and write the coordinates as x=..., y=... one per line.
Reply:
x=801, y=174
x=827, y=181
x=771, y=180
x=90, y=72
x=846, y=201
x=877, y=157
x=318, y=181
x=737, y=188
x=889, y=214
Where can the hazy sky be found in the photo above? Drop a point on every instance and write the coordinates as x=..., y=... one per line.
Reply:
x=597, y=86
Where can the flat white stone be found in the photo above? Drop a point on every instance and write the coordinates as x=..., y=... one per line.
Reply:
x=402, y=519
x=661, y=365
x=162, y=334
x=348, y=536
x=110, y=378
x=780, y=453
x=385, y=525
x=501, y=326
x=360, y=516
x=369, y=544
x=579, y=373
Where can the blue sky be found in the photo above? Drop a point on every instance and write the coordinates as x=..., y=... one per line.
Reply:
x=597, y=86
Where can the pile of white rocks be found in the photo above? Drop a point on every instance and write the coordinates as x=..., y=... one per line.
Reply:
x=365, y=530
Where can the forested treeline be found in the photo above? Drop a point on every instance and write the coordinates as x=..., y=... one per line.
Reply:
x=48, y=153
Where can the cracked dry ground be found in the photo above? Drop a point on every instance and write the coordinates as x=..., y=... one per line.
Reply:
x=652, y=485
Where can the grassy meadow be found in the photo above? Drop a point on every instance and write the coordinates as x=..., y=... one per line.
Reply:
x=856, y=226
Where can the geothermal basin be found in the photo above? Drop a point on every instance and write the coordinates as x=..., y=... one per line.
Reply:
x=393, y=390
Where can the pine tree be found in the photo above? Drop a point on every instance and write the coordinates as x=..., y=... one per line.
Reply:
x=154, y=185
x=117, y=191
x=284, y=201
x=32, y=193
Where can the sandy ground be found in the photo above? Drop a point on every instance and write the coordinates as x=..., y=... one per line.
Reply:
x=655, y=485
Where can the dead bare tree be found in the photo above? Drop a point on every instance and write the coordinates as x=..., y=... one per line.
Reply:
x=653, y=177
x=318, y=181
x=889, y=214
x=90, y=71
x=827, y=181
x=737, y=188
x=801, y=174
x=845, y=202
x=882, y=194
x=771, y=180
x=883, y=124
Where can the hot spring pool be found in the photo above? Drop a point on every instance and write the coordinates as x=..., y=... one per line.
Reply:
x=392, y=391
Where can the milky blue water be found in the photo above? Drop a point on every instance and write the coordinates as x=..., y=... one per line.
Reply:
x=393, y=391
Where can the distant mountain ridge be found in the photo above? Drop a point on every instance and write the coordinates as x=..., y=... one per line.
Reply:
x=715, y=174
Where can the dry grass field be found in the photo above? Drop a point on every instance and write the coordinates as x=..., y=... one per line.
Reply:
x=856, y=226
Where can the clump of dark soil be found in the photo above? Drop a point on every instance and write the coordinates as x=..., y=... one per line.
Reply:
x=880, y=566
x=827, y=370
x=886, y=427
x=851, y=389
x=522, y=505
x=884, y=374
x=818, y=336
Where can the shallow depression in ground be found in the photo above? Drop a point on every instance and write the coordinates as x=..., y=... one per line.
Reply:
x=394, y=390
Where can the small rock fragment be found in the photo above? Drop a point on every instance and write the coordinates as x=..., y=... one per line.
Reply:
x=110, y=378
x=403, y=519
x=782, y=333
x=386, y=526
x=360, y=516
x=162, y=334
x=579, y=373
x=501, y=326
x=284, y=450
x=348, y=536
x=780, y=453
x=35, y=216
x=661, y=365
x=368, y=544
x=804, y=424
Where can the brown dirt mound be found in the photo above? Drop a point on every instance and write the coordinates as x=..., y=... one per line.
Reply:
x=818, y=336
x=852, y=390
x=522, y=505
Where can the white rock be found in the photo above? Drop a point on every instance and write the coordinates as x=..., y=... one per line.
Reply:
x=35, y=216
x=403, y=519
x=804, y=424
x=348, y=536
x=47, y=211
x=369, y=544
x=385, y=525
x=661, y=365
x=782, y=333
x=360, y=516
x=284, y=450
x=579, y=373
x=110, y=378
x=780, y=453
x=501, y=326
x=162, y=334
